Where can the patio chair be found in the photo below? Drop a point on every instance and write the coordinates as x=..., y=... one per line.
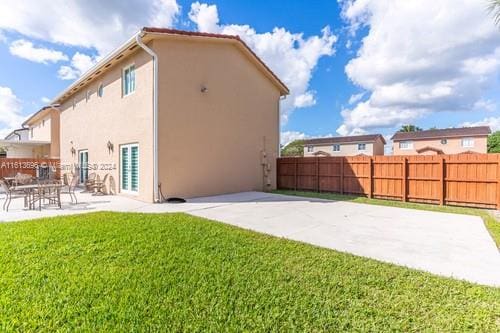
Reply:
x=10, y=194
x=90, y=182
x=99, y=186
x=22, y=179
x=70, y=188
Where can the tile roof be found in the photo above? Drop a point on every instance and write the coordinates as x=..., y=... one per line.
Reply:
x=442, y=133
x=345, y=139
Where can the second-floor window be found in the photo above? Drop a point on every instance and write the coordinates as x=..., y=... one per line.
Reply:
x=406, y=145
x=468, y=142
x=128, y=80
x=336, y=147
x=361, y=146
x=309, y=149
x=100, y=90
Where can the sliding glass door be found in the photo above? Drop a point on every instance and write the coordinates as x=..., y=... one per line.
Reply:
x=83, y=165
x=129, y=168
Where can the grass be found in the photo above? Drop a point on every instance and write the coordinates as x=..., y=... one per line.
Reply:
x=174, y=272
x=491, y=223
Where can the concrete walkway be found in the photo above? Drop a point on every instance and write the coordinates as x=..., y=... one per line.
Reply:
x=451, y=245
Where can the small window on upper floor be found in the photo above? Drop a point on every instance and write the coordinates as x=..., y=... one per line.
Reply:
x=406, y=145
x=467, y=142
x=128, y=80
x=74, y=103
x=100, y=90
x=43, y=122
x=361, y=146
x=310, y=149
x=336, y=147
x=31, y=132
x=87, y=96
x=444, y=141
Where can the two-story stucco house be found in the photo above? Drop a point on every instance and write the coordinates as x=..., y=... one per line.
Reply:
x=442, y=141
x=38, y=138
x=192, y=114
x=370, y=145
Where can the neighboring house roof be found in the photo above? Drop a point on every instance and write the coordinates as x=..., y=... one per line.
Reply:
x=345, y=139
x=428, y=148
x=442, y=133
x=15, y=132
x=39, y=115
x=321, y=153
x=148, y=34
x=4, y=143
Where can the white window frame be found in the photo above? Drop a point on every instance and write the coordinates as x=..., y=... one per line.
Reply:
x=444, y=141
x=310, y=149
x=405, y=145
x=471, y=140
x=124, y=92
x=359, y=144
x=333, y=148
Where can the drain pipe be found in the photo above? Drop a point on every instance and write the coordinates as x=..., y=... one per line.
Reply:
x=138, y=38
x=281, y=98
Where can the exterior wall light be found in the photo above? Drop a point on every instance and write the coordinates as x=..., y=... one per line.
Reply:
x=111, y=147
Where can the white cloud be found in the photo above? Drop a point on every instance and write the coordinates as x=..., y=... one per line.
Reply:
x=419, y=57
x=26, y=50
x=80, y=63
x=3, y=38
x=356, y=98
x=87, y=23
x=291, y=56
x=10, y=111
x=290, y=136
x=492, y=122
x=45, y=100
x=305, y=100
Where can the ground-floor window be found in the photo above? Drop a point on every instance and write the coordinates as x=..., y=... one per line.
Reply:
x=129, y=168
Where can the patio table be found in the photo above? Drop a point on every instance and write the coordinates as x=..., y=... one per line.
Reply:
x=51, y=192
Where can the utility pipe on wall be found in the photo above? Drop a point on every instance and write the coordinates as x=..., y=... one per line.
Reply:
x=138, y=38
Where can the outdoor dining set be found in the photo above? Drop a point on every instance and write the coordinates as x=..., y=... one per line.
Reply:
x=39, y=192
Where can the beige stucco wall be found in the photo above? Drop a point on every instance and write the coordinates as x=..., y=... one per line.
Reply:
x=453, y=146
x=120, y=120
x=348, y=149
x=47, y=128
x=211, y=143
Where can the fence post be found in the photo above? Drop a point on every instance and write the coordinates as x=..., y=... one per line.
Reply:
x=317, y=175
x=404, y=180
x=341, y=175
x=498, y=182
x=441, y=181
x=296, y=171
x=370, y=178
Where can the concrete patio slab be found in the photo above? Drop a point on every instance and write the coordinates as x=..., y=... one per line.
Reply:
x=450, y=245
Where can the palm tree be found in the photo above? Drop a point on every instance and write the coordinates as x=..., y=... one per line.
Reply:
x=409, y=128
x=494, y=8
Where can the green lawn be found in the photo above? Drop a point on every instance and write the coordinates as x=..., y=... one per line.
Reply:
x=139, y=272
x=491, y=223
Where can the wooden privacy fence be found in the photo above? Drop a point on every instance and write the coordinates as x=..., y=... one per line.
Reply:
x=461, y=180
x=11, y=166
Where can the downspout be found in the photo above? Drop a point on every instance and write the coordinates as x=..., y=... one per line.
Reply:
x=138, y=38
x=282, y=98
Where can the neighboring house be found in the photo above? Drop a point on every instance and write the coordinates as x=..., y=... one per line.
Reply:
x=442, y=141
x=21, y=134
x=39, y=137
x=206, y=122
x=370, y=145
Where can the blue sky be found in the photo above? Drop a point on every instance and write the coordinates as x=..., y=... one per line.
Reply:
x=404, y=68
